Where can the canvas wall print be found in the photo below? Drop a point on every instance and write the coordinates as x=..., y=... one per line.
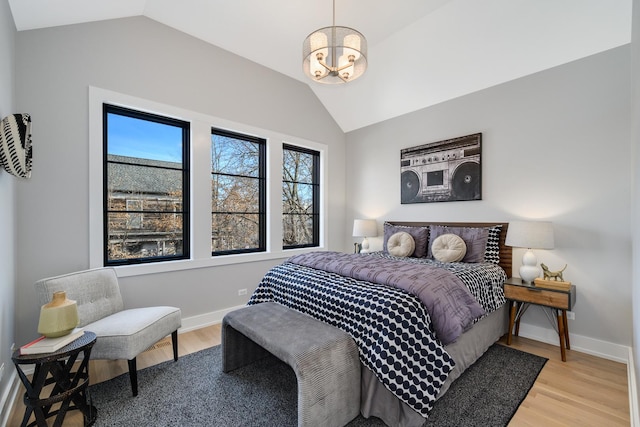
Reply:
x=443, y=171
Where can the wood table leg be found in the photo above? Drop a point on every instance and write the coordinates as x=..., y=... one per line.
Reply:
x=561, y=332
x=512, y=318
x=566, y=329
x=520, y=307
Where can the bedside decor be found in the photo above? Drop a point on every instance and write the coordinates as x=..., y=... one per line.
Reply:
x=365, y=228
x=15, y=145
x=555, y=275
x=334, y=54
x=58, y=317
x=551, y=284
x=530, y=235
x=443, y=171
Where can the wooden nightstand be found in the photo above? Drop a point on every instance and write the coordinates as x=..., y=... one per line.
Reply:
x=522, y=295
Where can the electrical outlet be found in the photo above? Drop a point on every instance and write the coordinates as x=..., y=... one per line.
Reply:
x=242, y=291
x=571, y=315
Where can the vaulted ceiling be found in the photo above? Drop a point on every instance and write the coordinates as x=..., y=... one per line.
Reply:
x=421, y=52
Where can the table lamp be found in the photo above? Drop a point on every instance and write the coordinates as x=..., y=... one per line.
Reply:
x=365, y=228
x=530, y=235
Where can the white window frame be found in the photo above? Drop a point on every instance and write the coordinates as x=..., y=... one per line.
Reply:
x=201, y=125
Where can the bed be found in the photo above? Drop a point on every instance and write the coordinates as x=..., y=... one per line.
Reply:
x=418, y=322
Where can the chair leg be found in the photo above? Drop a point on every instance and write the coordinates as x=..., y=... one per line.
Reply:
x=174, y=340
x=133, y=376
x=133, y=371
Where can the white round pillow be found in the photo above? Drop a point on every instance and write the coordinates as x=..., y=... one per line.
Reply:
x=448, y=248
x=401, y=244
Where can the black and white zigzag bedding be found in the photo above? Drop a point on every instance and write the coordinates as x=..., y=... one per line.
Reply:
x=390, y=326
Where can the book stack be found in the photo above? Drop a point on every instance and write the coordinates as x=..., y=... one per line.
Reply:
x=49, y=345
x=552, y=284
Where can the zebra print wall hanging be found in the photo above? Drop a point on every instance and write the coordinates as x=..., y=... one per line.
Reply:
x=15, y=144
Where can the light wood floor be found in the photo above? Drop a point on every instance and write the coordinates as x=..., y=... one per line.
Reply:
x=583, y=391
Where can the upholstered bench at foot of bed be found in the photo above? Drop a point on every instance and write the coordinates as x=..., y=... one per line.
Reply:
x=324, y=358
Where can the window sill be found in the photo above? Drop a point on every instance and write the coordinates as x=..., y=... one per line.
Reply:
x=191, y=264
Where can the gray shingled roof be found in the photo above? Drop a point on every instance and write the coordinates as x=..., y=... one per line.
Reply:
x=146, y=176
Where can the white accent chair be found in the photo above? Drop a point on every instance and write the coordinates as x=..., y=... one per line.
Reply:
x=122, y=334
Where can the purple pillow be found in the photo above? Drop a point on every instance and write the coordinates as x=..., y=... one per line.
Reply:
x=420, y=237
x=474, y=238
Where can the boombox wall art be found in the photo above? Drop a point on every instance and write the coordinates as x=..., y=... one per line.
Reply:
x=442, y=171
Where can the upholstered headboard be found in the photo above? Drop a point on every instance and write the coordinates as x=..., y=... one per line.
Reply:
x=506, y=252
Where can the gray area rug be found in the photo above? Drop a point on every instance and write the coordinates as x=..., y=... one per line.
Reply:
x=195, y=392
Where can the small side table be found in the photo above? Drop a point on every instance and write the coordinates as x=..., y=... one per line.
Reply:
x=522, y=295
x=69, y=388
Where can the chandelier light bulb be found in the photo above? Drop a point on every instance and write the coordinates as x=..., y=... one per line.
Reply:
x=352, y=46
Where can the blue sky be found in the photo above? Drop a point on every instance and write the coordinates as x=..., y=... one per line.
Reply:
x=144, y=139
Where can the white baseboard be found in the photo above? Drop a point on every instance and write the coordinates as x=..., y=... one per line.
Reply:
x=206, y=319
x=634, y=411
x=594, y=347
x=9, y=396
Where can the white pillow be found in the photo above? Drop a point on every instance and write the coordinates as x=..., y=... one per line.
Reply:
x=448, y=248
x=401, y=244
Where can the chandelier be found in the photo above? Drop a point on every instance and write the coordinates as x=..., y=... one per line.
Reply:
x=334, y=54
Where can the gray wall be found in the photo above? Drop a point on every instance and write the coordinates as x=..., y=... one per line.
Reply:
x=141, y=58
x=7, y=205
x=555, y=146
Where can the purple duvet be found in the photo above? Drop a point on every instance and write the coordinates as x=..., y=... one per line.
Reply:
x=450, y=304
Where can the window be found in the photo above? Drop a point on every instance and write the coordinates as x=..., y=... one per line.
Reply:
x=238, y=193
x=146, y=187
x=300, y=197
x=196, y=190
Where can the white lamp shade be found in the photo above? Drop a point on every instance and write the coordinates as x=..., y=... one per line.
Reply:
x=365, y=228
x=319, y=42
x=352, y=46
x=530, y=234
